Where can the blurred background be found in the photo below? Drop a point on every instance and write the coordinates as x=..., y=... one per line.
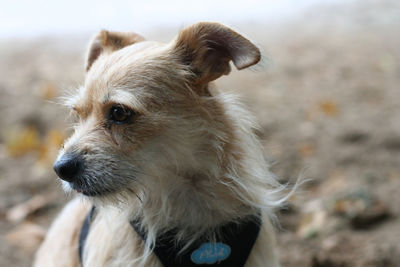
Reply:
x=326, y=95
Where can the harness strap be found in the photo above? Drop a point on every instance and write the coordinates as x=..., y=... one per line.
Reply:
x=84, y=232
x=232, y=249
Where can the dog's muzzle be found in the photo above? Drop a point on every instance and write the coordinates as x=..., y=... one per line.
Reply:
x=68, y=167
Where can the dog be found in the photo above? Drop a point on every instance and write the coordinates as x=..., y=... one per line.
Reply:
x=165, y=168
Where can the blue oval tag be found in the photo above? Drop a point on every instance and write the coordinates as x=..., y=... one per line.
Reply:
x=210, y=253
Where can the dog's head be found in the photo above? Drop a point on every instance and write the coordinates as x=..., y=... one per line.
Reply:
x=145, y=113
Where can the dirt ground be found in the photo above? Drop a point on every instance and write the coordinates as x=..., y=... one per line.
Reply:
x=327, y=98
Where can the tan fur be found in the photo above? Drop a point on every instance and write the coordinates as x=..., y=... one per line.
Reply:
x=187, y=160
x=61, y=249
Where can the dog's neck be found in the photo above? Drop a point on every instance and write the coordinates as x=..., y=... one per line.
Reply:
x=197, y=204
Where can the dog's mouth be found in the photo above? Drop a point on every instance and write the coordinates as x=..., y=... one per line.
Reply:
x=76, y=186
x=80, y=188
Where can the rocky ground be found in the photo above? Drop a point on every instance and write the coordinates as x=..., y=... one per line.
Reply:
x=328, y=101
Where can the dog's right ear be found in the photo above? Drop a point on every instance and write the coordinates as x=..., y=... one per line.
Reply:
x=107, y=42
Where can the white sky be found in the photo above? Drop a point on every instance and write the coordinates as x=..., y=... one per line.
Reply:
x=28, y=18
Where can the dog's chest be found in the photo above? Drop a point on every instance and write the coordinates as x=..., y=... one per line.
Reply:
x=232, y=246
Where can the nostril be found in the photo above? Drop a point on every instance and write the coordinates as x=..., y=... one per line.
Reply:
x=68, y=167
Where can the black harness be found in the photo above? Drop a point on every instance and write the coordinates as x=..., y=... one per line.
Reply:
x=231, y=249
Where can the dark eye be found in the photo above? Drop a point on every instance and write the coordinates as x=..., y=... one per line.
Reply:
x=120, y=114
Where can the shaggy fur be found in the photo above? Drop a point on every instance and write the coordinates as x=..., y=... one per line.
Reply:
x=188, y=159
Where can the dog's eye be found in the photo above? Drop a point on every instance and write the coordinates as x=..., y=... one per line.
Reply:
x=120, y=114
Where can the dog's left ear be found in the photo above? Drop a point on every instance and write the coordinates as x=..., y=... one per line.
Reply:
x=107, y=42
x=207, y=48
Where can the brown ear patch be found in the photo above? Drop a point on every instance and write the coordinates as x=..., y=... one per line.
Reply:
x=106, y=41
x=209, y=47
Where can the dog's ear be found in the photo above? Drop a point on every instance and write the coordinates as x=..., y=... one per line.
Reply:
x=207, y=48
x=107, y=42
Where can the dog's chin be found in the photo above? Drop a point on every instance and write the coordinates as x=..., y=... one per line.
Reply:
x=70, y=187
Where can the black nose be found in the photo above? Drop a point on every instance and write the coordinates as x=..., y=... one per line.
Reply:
x=68, y=167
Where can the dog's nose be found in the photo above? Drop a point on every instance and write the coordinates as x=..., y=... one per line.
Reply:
x=68, y=167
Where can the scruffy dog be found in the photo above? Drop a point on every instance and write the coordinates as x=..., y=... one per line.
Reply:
x=167, y=172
